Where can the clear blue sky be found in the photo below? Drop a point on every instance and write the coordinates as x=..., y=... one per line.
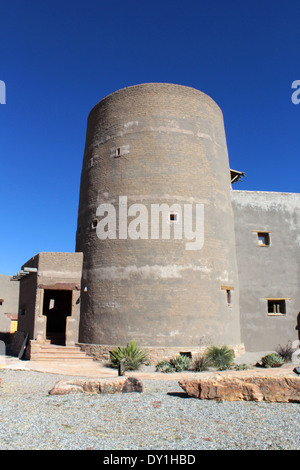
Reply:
x=59, y=58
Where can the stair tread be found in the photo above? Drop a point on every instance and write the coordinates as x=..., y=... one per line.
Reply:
x=54, y=352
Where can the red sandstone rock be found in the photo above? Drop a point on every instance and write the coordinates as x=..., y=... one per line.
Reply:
x=121, y=385
x=250, y=388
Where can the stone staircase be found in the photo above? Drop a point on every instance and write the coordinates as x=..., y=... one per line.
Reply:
x=52, y=352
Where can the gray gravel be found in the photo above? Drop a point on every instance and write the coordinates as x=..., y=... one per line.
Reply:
x=161, y=418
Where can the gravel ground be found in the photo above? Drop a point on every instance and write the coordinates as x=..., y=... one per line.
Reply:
x=163, y=417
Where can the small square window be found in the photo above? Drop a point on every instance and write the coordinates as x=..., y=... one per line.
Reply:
x=276, y=307
x=263, y=238
x=173, y=217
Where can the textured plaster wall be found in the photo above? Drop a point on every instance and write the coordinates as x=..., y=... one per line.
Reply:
x=268, y=272
x=9, y=293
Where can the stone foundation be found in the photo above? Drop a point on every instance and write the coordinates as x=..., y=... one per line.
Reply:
x=156, y=354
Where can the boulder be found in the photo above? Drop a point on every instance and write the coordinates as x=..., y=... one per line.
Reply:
x=249, y=388
x=120, y=385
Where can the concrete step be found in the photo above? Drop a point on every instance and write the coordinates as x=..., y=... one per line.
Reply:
x=62, y=353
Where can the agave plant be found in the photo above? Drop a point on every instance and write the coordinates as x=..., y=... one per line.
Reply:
x=180, y=362
x=134, y=356
x=164, y=366
x=272, y=360
x=220, y=357
x=176, y=364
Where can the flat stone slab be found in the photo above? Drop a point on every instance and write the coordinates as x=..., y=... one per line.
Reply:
x=249, y=387
x=119, y=385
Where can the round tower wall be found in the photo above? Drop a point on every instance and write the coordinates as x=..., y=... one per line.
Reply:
x=154, y=144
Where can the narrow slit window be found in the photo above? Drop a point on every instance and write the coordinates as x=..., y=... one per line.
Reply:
x=118, y=152
x=228, y=296
x=94, y=224
x=228, y=291
x=173, y=217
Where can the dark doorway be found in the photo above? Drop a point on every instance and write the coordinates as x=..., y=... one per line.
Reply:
x=57, y=307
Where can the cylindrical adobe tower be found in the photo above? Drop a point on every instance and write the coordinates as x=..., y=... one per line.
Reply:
x=154, y=144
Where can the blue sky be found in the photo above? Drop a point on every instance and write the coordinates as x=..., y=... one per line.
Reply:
x=59, y=58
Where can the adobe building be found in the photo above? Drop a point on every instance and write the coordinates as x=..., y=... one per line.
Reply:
x=163, y=146
x=49, y=300
x=9, y=303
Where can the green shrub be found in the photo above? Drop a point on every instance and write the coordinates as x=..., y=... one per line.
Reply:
x=220, y=357
x=134, y=357
x=201, y=363
x=241, y=367
x=164, y=366
x=180, y=363
x=272, y=360
x=176, y=364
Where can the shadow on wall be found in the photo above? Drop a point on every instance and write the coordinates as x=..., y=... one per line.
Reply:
x=298, y=325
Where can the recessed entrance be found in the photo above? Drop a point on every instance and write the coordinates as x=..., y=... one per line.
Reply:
x=57, y=307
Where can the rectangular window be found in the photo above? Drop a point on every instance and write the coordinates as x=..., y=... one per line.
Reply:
x=228, y=296
x=276, y=306
x=263, y=238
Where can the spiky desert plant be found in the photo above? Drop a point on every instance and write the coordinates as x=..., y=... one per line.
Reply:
x=175, y=364
x=134, y=356
x=272, y=360
x=201, y=363
x=164, y=366
x=220, y=357
x=285, y=352
x=180, y=362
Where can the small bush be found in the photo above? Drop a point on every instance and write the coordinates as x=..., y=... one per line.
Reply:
x=176, y=364
x=285, y=352
x=220, y=357
x=201, y=363
x=272, y=360
x=241, y=367
x=180, y=363
x=134, y=357
x=164, y=366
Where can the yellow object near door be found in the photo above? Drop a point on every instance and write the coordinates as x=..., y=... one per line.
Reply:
x=13, y=326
